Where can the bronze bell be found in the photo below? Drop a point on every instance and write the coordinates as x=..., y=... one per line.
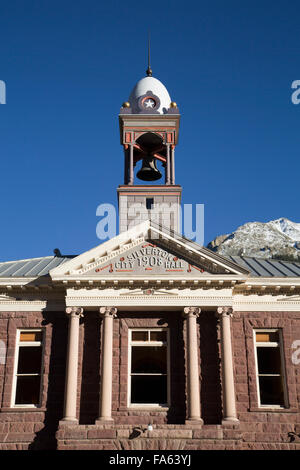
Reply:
x=149, y=171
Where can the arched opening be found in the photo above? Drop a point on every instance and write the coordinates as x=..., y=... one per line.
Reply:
x=151, y=150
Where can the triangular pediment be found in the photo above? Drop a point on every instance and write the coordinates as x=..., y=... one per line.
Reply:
x=147, y=251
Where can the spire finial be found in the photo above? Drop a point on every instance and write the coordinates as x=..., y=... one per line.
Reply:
x=149, y=71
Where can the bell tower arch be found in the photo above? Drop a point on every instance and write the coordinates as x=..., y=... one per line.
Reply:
x=149, y=128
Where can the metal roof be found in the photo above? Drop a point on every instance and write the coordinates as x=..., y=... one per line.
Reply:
x=258, y=267
x=33, y=267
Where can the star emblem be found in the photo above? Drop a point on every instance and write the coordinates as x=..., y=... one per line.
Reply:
x=149, y=103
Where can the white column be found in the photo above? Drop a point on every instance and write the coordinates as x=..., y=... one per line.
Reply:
x=191, y=314
x=229, y=408
x=74, y=313
x=167, y=170
x=108, y=314
x=172, y=164
x=126, y=165
x=131, y=171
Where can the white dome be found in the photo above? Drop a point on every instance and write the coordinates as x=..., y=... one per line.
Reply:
x=156, y=87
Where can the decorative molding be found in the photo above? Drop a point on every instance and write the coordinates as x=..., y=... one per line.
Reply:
x=74, y=311
x=225, y=311
x=108, y=311
x=150, y=291
x=191, y=312
x=144, y=301
x=292, y=298
x=142, y=99
x=112, y=254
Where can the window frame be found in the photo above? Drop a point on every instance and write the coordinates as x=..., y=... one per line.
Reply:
x=16, y=362
x=148, y=343
x=271, y=344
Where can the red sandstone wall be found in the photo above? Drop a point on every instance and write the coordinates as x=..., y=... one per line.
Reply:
x=258, y=428
x=33, y=428
x=257, y=424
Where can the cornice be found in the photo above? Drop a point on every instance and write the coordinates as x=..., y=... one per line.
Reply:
x=159, y=301
x=31, y=305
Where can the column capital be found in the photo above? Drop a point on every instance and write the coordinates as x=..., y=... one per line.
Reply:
x=108, y=311
x=74, y=311
x=225, y=311
x=191, y=311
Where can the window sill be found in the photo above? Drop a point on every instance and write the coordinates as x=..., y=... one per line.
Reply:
x=272, y=410
x=147, y=407
x=27, y=409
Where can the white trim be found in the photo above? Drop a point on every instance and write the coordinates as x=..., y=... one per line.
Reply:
x=16, y=281
x=219, y=260
x=272, y=281
x=97, y=252
x=279, y=345
x=151, y=278
x=267, y=302
x=31, y=306
x=124, y=297
x=16, y=360
x=148, y=343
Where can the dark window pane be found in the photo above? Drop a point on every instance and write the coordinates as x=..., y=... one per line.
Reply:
x=268, y=360
x=30, y=336
x=149, y=203
x=30, y=360
x=28, y=391
x=149, y=389
x=140, y=336
x=271, y=391
x=158, y=335
x=269, y=337
x=149, y=359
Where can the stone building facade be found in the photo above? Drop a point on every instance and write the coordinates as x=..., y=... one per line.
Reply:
x=149, y=341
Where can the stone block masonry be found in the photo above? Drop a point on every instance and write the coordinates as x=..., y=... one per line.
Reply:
x=40, y=428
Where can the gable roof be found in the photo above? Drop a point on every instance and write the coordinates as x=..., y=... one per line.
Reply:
x=99, y=258
x=256, y=267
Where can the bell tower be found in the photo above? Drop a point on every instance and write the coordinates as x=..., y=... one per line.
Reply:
x=149, y=127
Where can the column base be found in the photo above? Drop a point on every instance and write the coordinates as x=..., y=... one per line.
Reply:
x=194, y=421
x=104, y=420
x=69, y=421
x=230, y=421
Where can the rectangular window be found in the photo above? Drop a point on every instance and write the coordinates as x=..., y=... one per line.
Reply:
x=149, y=203
x=270, y=368
x=28, y=367
x=148, y=367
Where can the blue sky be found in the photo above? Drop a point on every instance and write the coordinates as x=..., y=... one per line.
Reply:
x=69, y=65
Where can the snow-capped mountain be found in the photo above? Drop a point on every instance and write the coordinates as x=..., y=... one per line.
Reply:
x=278, y=239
